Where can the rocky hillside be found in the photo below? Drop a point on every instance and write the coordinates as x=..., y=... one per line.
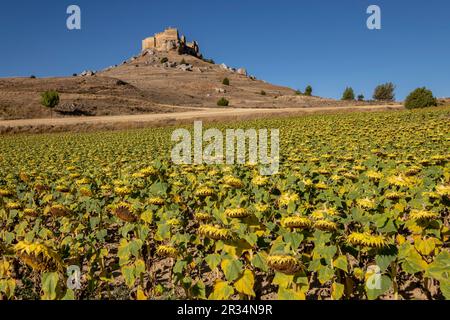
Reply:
x=153, y=82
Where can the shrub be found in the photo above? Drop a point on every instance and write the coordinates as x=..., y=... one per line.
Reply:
x=298, y=92
x=50, y=99
x=32, y=76
x=226, y=82
x=74, y=75
x=420, y=98
x=223, y=102
x=263, y=93
x=164, y=60
x=308, y=91
x=361, y=97
x=348, y=94
x=384, y=92
x=209, y=61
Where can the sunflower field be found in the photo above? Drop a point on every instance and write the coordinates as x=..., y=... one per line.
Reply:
x=359, y=210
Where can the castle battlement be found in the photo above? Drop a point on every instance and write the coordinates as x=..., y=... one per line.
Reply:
x=170, y=40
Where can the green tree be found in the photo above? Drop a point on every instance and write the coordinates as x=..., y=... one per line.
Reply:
x=308, y=91
x=348, y=94
x=361, y=97
x=385, y=92
x=223, y=102
x=226, y=82
x=50, y=99
x=420, y=98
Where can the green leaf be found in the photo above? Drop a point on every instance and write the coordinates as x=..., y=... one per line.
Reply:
x=128, y=275
x=139, y=267
x=232, y=268
x=283, y=280
x=341, y=263
x=295, y=239
x=290, y=294
x=439, y=269
x=337, y=290
x=245, y=283
x=425, y=247
x=147, y=216
x=383, y=261
x=413, y=262
x=70, y=295
x=259, y=261
x=222, y=291
x=377, y=285
x=213, y=260
x=49, y=284
x=325, y=274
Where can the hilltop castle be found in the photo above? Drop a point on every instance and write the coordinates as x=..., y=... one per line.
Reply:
x=169, y=40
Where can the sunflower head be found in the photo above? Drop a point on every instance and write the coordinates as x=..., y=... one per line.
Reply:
x=166, y=251
x=238, y=213
x=325, y=225
x=367, y=240
x=214, y=232
x=202, y=217
x=124, y=211
x=5, y=192
x=394, y=195
x=123, y=191
x=284, y=264
x=260, y=181
x=37, y=256
x=13, y=205
x=421, y=215
x=30, y=212
x=233, y=182
x=156, y=201
x=205, y=192
x=296, y=222
x=59, y=210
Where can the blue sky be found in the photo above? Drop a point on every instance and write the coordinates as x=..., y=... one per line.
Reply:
x=324, y=43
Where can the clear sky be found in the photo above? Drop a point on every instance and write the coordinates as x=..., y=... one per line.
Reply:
x=324, y=43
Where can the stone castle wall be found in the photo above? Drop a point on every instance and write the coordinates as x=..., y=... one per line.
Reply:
x=170, y=40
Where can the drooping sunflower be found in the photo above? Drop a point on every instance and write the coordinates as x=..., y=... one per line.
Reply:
x=325, y=225
x=367, y=240
x=156, y=201
x=238, y=213
x=166, y=251
x=149, y=171
x=296, y=222
x=287, y=198
x=13, y=205
x=59, y=210
x=418, y=215
x=214, y=232
x=233, y=182
x=205, y=192
x=284, y=264
x=124, y=211
x=38, y=256
x=374, y=175
x=123, y=191
x=5, y=192
x=202, y=217
x=260, y=181
x=394, y=195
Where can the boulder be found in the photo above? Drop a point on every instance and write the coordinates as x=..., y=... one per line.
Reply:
x=242, y=71
x=220, y=90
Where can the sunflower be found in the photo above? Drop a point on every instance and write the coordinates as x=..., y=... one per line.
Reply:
x=284, y=264
x=325, y=225
x=13, y=205
x=203, y=217
x=399, y=181
x=214, y=232
x=124, y=211
x=237, y=213
x=443, y=191
x=417, y=215
x=261, y=207
x=122, y=191
x=82, y=181
x=86, y=191
x=59, y=210
x=394, y=195
x=322, y=213
x=321, y=186
x=5, y=192
x=38, y=256
x=30, y=212
x=156, y=201
x=296, y=222
x=233, y=182
x=286, y=198
x=367, y=240
x=260, y=181
x=62, y=189
x=149, y=171
x=205, y=192
x=374, y=175
x=366, y=203
x=166, y=252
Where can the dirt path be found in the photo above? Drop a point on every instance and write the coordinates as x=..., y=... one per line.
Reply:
x=136, y=121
